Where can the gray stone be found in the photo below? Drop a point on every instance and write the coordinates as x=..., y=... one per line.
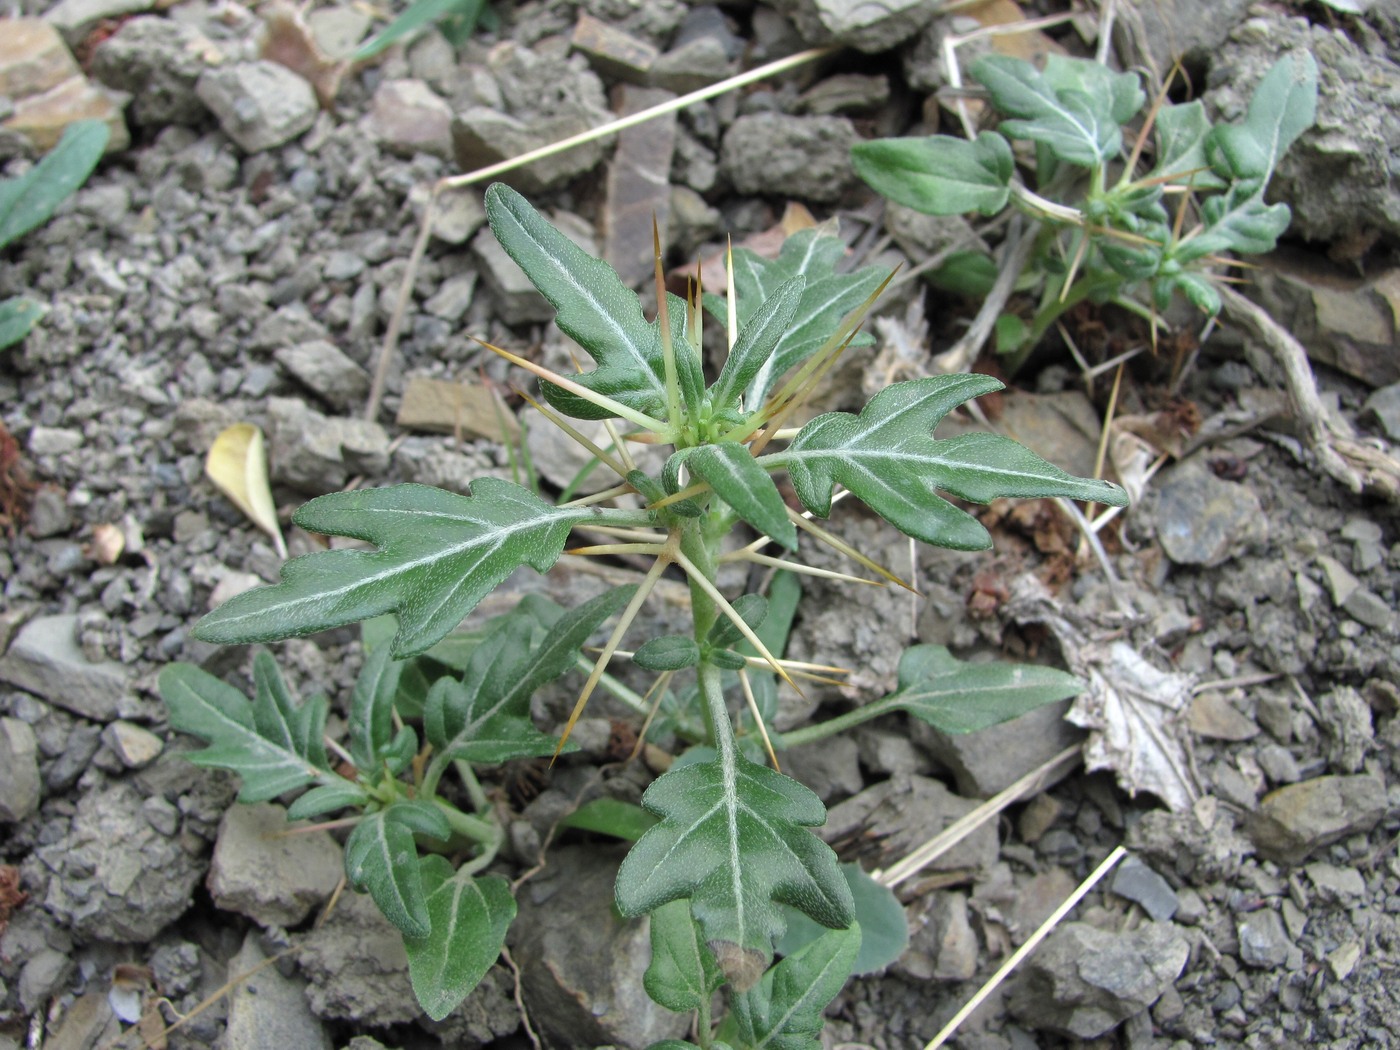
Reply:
x=453, y=297
x=778, y=155
x=267, y=1009
x=327, y=372
x=1278, y=764
x=46, y=659
x=992, y=759
x=846, y=93
x=1383, y=406
x=1202, y=520
x=1083, y=981
x=1264, y=942
x=858, y=23
x=258, y=104
x=1345, y=720
x=1367, y=607
x=44, y=974
x=897, y=815
x=316, y=453
x=49, y=514
x=831, y=768
x=73, y=17
x=158, y=62
x=1169, y=29
x=1338, y=178
x=19, y=771
x=1137, y=882
x=261, y=871
x=54, y=441
x=1212, y=716
x=409, y=117
x=1334, y=884
x=638, y=187
x=134, y=746
x=115, y=878
x=1296, y=820
x=457, y=215
x=942, y=944
x=691, y=66
x=579, y=979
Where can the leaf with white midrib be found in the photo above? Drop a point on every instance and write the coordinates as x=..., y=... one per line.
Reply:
x=439, y=554
x=734, y=840
x=746, y=487
x=381, y=856
x=889, y=459
x=784, y=1011
x=469, y=917
x=294, y=757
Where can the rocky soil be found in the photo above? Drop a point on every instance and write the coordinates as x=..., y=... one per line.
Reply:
x=238, y=256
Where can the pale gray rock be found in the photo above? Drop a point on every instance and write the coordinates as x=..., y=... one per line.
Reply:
x=1298, y=819
x=158, y=62
x=260, y=871
x=326, y=371
x=46, y=660
x=942, y=943
x=409, y=117
x=830, y=768
x=259, y=104
x=73, y=17
x=1346, y=725
x=44, y=973
x=903, y=812
x=778, y=155
x=1135, y=881
x=315, y=453
x=114, y=877
x=992, y=759
x=267, y=1009
x=860, y=24
x=579, y=979
x=19, y=771
x=1083, y=981
x=1202, y=520
x=1264, y=943
x=133, y=745
x=452, y=299
x=1383, y=406
x=1169, y=29
x=49, y=514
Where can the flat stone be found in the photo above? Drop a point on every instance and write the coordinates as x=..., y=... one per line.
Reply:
x=20, y=785
x=1298, y=819
x=258, y=104
x=1202, y=520
x=457, y=215
x=1264, y=943
x=846, y=94
x=1366, y=607
x=1383, y=406
x=1137, y=882
x=409, y=117
x=1343, y=885
x=261, y=871
x=691, y=66
x=857, y=23
x=1215, y=718
x=615, y=54
x=326, y=371
x=900, y=813
x=73, y=17
x=266, y=1009
x=49, y=514
x=132, y=744
x=831, y=768
x=33, y=58
x=778, y=155
x=442, y=407
x=54, y=441
x=638, y=186
x=316, y=453
x=46, y=660
x=942, y=943
x=43, y=118
x=453, y=297
x=992, y=759
x=1082, y=981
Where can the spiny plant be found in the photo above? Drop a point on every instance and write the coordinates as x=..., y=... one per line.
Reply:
x=725, y=861
x=1099, y=237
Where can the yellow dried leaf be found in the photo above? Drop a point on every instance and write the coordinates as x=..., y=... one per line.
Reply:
x=237, y=463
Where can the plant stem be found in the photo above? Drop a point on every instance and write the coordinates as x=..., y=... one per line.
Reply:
x=716, y=714
x=480, y=802
x=484, y=832
x=810, y=734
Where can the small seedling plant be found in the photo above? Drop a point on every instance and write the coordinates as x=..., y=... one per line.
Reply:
x=725, y=860
x=1105, y=229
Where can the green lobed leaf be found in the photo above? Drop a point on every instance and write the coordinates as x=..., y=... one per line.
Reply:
x=1121, y=92
x=672, y=652
x=759, y=336
x=611, y=816
x=888, y=458
x=439, y=554
x=1283, y=106
x=826, y=299
x=784, y=1011
x=1181, y=146
x=31, y=199
x=683, y=973
x=485, y=716
x=327, y=798
x=940, y=174
x=1249, y=227
x=1076, y=123
x=372, y=708
x=884, y=931
x=381, y=856
x=960, y=697
x=745, y=486
x=468, y=918
x=18, y=316
x=595, y=309
x=273, y=744
x=733, y=839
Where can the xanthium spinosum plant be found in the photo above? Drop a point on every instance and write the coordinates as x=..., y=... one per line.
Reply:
x=725, y=861
x=1098, y=237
